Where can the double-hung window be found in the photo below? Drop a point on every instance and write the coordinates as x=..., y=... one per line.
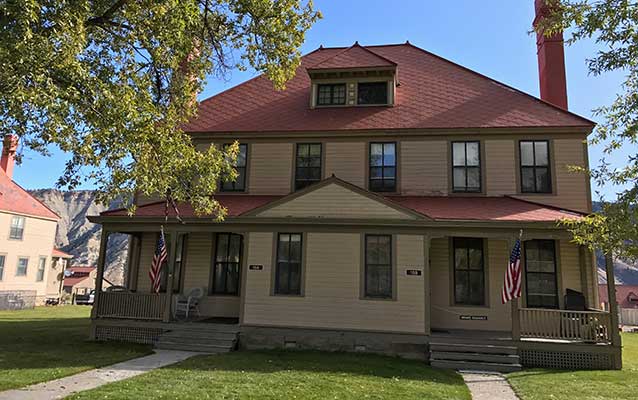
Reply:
x=540, y=274
x=535, y=171
x=469, y=274
x=23, y=264
x=42, y=263
x=288, y=264
x=383, y=167
x=227, y=266
x=239, y=184
x=331, y=94
x=372, y=93
x=307, y=165
x=17, y=227
x=466, y=167
x=378, y=266
x=2, y=261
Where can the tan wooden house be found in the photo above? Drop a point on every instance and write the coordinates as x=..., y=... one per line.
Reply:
x=378, y=200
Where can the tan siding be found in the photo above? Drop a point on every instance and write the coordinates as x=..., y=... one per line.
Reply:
x=346, y=160
x=332, y=285
x=570, y=267
x=447, y=316
x=424, y=168
x=322, y=203
x=500, y=167
x=147, y=248
x=270, y=169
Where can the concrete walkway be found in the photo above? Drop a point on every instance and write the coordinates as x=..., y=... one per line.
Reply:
x=63, y=387
x=488, y=386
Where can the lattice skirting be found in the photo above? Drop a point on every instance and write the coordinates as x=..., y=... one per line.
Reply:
x=128, y=334
x=566, y=360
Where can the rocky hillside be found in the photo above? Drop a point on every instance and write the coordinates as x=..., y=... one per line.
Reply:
x=79, y=237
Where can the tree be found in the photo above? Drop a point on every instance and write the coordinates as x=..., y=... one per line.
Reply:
x=111, y=82
x=614, y=25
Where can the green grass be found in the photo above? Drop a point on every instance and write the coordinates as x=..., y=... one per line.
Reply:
x=51, y=342
x=582, y=385
x=289, y=375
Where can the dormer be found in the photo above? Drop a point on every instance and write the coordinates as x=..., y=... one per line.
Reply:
x=354, y=77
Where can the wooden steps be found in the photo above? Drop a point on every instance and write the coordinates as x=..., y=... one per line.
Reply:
x=202, y=337
x=476, y=354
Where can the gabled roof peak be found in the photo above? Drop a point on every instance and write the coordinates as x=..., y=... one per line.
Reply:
x=355, y=56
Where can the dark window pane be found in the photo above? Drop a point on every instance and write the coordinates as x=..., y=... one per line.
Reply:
x=459, y=178
x=288, y=269
x=469, y=278
x=382, y=168
x=372, y=93
x=540, y=274
x=239, y=185
x=466, y=167
x=535, y=172
x=333, y=94
x=527, y=180
x=378, y=266
x=473, y=179
x=227, y=266
x=308, y=164
x=542, y=180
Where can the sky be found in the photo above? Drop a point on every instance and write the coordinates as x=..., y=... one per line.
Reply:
x=489, y=36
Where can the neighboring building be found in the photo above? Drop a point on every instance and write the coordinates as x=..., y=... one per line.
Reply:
x=80, y=280
x=59, y=263
x=27, y=236
x=378, y=199
x=626, y=296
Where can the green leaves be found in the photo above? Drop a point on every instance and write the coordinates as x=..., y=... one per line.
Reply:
x=112, y=81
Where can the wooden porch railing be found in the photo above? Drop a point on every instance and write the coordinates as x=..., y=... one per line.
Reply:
x=146, y=306
x=587, y=326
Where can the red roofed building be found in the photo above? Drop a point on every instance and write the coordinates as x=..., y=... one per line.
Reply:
x=377, y=202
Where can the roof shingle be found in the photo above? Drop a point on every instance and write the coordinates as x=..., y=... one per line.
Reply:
x=13, y=198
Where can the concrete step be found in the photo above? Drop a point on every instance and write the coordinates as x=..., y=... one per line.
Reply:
x=204, y=327
x=473, y=348
x=198, y=341
x=201, y=335
x=202, y=348
x=472, y=340
x=480, y=357
x=475, y=366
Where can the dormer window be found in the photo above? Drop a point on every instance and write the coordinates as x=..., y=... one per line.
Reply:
x=331, y=94
x=372, y=93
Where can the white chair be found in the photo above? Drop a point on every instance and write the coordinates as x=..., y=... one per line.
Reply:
x=189, y=304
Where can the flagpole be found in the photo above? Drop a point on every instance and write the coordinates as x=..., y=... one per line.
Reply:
x=516, y=319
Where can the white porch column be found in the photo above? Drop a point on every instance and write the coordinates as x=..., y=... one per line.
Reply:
x=516, y=318
x=613, y=309
x=101, y=262
x=169, y=282
x=427, y=290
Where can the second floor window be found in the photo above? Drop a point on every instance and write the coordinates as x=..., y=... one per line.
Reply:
x=17, y=228
x=239, y=185
x=307, y=165
x=383, y=167
x=331, y=95
x=23, y=263
x=535, y=172
x=42, y=263
x=372, y=93
x=466, y=167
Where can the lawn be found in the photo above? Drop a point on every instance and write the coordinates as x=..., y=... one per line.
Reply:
x=51, y=342
x=289, y=375
x=583, y=385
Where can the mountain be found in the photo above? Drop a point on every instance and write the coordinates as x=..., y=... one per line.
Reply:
x=81, y=238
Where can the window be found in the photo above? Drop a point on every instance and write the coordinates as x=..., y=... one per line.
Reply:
x=23, y=263
x=469, y=275
x=378, y=266
x=540, y=274
x=239, y=185
x=383, y=167
x=2, y=259
x=180, y=255
x=372, y=93
x=466, y=166
x=308, y=164
x=42, y=262
x=331, y=95
x=226, y=269
x=17, y=227
x=535, y=172
x=288, y=268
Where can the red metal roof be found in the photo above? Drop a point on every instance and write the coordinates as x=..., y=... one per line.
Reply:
x=74, y=280
x=81, y=269
x=14, y=198
x=625, y=295
x=433, y=93
x=60, y=253
x=353, y=57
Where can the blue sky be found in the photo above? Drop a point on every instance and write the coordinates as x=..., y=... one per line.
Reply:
x=489, y=36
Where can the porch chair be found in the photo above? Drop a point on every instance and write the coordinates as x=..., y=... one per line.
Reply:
x=189, y=304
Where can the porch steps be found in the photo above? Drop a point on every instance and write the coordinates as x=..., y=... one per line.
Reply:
x=474, y=355
x=206, y=338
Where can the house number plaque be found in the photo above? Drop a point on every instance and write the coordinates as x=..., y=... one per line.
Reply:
x=255, y=267
x=473, y=317
x=413, y=272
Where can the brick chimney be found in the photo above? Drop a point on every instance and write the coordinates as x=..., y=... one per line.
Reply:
x=551, y=62
x=7, y=160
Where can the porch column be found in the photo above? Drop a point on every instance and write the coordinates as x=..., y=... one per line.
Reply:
x=613, y=309
x=169, y=283
x=101, y=261
x=584, y=281
x=426, y=285
x=516, y=318
x=133, y=262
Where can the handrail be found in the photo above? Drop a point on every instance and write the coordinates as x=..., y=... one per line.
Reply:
x=143, y=306
x=584, y=326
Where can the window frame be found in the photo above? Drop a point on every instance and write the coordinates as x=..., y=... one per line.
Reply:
x=276, y=290
x=392, y=266
x=212, y=290
x=379, y=83
x=555, y=273
x=332, y=94
x=455, y=271
x=11, y=227
x=308, y=182
x=26, y=267
x=177, y=277
x=466, y=167
x=395, y=187
x=3, y=257
x=550, y=182
x=238, y=168
x=42, y=266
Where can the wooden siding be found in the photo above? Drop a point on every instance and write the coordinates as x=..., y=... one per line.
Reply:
x=569, y=269
x=424, y=168
x=500, y=167
x=346, y=160
x=334, y=201
x=270, y=168
x=332, y=288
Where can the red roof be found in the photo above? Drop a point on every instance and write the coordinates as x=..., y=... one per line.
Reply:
x=60, y=253
x=433, y=93
x=354, y=57
x=82, y=269
x=74, y=280
x=14, y=198
x=625, y=295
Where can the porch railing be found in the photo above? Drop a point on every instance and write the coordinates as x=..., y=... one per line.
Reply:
x=587, y=326
x=146, y=306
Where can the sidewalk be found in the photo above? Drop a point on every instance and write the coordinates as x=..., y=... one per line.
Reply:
x=488, y=386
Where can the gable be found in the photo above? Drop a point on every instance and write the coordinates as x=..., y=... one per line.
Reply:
x=335, y=201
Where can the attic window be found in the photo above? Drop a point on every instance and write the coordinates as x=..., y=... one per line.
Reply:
x=330, y=95
x=372, y=93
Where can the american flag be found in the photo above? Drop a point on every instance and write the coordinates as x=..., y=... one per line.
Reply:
x=513, y=276
x=155, y=273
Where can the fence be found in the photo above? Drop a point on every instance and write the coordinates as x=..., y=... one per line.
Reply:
x=628, y=316
x=17, y=299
